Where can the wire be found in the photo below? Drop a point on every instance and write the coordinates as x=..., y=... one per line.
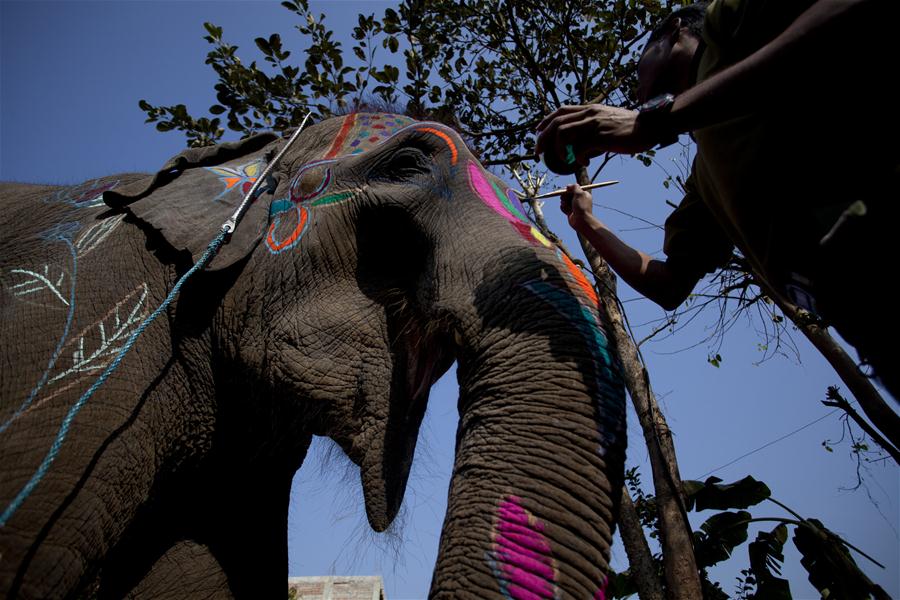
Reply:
x=764, y=446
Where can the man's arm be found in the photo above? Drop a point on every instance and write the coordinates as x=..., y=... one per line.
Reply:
x=827, y=27
x=655, y=279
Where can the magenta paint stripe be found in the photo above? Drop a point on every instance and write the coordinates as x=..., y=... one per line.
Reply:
x=484, y=190
x=523, y=537
x=519, y=593
x=521, y=561
x=524, y=546
x=521, y=557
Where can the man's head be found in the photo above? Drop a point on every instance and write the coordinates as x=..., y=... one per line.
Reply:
x=667, y=62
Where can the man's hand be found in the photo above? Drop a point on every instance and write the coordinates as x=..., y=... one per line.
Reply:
x=577, y=205
x=592, y=130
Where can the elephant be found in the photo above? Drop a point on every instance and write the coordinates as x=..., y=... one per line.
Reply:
x=376, y=253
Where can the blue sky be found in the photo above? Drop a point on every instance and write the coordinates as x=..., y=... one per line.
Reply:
x=71, y=75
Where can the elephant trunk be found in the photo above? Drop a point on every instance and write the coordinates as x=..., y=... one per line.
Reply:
x=540, y=445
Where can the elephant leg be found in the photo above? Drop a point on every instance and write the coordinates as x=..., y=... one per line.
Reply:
x=247, y=534
x=186, y=570
x=227, y=542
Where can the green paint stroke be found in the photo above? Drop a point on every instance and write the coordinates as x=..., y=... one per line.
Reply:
x=332, y=198
x=504, y=200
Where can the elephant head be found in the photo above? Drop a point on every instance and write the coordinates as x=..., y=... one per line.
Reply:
x=379, y=252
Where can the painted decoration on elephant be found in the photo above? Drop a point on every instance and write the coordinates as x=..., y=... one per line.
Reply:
x=95, y=346
x=85, y=195
x=499, y=201
x=90, y=351
x=311, y=180
x=578, y=278
x=520, y=555
x=288, y=224
x=600, y=594
x=360, y=132
x=42, y=286
x=45, y=285
x=240, y=177
x=310, y=187
x=606, y=376
x=96, y=234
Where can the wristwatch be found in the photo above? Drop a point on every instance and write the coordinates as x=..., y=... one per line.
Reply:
x=654, y=116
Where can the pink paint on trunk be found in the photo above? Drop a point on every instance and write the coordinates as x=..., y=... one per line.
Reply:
x=521, y=556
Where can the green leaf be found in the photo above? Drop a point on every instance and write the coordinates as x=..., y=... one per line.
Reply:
x=766, y=556
x=263, y=45
x=711, y=494
x=718, y=537
x=214, y=31
x=216, y=109
x=831, y=569
x=144, y=105
x=620, y=585
x=393, y=44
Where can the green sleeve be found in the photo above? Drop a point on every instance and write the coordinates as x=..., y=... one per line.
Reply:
x=737, y=28
x=694, y=243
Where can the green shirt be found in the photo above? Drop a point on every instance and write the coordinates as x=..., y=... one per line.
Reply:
x=774, y=182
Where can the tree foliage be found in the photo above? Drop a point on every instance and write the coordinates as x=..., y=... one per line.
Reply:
x=495, y=68
x=825, y=555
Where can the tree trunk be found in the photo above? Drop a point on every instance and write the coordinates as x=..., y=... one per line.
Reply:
x=640, y=561
x=873, y=405
x=682, y=577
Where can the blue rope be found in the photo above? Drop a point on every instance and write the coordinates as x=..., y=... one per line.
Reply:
x=59, y=346
x=41, y=471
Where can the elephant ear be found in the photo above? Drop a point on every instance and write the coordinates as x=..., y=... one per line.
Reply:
x=196, y=191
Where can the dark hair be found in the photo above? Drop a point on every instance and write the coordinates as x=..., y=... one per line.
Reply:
x=691, y=16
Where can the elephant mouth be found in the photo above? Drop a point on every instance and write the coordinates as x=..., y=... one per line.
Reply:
x=388, y=457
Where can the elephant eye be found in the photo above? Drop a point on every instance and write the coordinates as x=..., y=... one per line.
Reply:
x=404, y=163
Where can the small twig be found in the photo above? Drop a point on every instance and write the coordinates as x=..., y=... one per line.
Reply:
x=838, y=401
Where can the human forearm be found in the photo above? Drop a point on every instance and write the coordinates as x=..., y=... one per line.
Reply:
x=649, y=277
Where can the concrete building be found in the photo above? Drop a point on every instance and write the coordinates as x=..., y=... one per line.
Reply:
x=335, y=588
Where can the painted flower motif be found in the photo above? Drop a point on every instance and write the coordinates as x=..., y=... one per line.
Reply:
x=86, y=195
x=242, y=177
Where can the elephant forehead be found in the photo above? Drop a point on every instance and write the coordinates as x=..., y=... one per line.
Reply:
x=359, y=132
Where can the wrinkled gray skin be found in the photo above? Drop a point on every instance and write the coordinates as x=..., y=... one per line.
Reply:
x=173, y=480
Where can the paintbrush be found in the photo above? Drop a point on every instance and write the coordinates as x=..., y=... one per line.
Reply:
x=562, y=191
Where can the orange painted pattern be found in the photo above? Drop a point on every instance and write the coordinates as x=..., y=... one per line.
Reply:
x=453, y=153
x=277, y=246
x=580, y=279
x=349, y=120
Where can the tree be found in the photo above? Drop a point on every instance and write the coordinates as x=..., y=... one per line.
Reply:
x=824, y=554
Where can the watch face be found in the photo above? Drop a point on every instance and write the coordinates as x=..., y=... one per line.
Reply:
x=656, y=103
